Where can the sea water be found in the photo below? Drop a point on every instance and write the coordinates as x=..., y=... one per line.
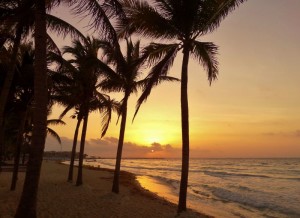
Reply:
x=224, y=187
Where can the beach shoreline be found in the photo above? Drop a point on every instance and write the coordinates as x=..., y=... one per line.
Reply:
x=59, y=198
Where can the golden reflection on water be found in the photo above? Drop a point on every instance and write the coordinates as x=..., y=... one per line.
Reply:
x=162, y=190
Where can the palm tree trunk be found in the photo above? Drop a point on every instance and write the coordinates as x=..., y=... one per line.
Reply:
x=18, y=152
x=185, y=132
x=27, y=204
x=73, y=154
x=81, y=152
x=6, y=87
x=115, y=187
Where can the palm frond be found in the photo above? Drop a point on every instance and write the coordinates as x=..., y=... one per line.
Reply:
x=113, y=8
x=219, y=9
x=55, y=122
x=157, y=74
x=155, y=51
x=99, y=19
x=205, y=53
x=51, y=45
x=53, y=134
x=145, y=20
x=66, y=110
x=62, y=28
x=112, y=85
x=64, y=65
x=105, y=106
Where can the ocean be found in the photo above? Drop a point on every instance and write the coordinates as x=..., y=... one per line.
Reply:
x=223, y=187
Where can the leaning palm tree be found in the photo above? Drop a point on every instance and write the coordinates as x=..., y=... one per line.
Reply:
x=184, y=22
x=82, y=92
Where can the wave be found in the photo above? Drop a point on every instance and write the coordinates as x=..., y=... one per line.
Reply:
x=225, y=174
x=170, y=182
x=201, y=193
x=254, y=201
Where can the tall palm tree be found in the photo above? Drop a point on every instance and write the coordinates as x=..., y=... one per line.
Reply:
x=9, y=77
x=82, y=93
x=22, y=100
x=123, y=75
x=27, y=204
x=24, y=134
x=4, y=65
x=184, y=22
x=18, y=15
x=19, y=107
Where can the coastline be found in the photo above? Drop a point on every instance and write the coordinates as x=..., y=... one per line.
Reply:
x=58, y=198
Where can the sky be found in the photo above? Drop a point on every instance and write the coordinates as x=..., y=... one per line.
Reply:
x=252, y=110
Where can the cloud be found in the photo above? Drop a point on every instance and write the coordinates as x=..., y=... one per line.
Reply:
x=107, y=147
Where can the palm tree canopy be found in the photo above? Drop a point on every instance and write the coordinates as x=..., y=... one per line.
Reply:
x=80, y=89
x=176, y=19
x=101, y=13
x=182, y=21
x=20, y=14
x=124, y=71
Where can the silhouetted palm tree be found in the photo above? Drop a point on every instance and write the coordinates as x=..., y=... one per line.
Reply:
x=186, y=22
x=123, y=75
x=24, y=134
x=27, y=204
x=22, y=97
x=73, y=152
x=82, y=93
x=17, y=17
x=19, y=108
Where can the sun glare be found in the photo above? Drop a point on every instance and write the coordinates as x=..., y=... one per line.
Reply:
x=151, y=139
x=147, y=133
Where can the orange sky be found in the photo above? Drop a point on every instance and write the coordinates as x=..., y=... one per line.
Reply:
x=252, y=110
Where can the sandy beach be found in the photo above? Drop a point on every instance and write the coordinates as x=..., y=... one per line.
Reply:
x=58, y=198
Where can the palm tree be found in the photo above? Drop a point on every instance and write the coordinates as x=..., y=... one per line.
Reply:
x=73, y=152
x=19, y=16
x=123, y=73
x=82, y=92
x=27, y=204
x=9, y=76
x=124, y=76
x=22, y=100
x=24, y=134
x=19, y=107
x=185, y=22
x=4, y=65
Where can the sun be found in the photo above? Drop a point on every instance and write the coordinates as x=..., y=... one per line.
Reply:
x=146, y=135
